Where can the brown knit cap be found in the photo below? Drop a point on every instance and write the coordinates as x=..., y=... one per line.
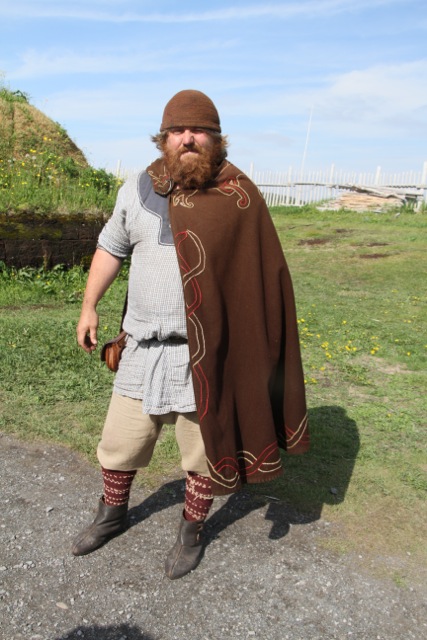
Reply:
x=190, y=108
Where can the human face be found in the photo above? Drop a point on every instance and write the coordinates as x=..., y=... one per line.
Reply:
x=186, y=140
x=191, y=155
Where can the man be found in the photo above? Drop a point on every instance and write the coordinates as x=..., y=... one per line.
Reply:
x=212, y=340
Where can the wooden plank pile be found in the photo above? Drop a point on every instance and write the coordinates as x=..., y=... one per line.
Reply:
x=364, y=198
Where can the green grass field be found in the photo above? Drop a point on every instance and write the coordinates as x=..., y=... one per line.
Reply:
x=41, y=169
x=361, y=298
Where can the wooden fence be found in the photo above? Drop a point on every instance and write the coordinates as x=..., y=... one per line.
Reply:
x=296, y=188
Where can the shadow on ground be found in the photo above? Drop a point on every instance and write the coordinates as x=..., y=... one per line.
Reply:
x=118, y=632
x=323, y=474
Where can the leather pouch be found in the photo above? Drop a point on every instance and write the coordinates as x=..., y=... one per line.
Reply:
x=112, y=350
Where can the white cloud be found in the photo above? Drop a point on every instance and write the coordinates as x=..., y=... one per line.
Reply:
x=121, y=103
x=106, y=80
x=374, y=102
x=79, y=11
x=367, y=98
x=55, y=61
x=378, y=94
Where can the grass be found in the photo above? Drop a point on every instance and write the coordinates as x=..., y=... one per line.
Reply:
x=45, y=182
x=360, y=289
x=41, y=168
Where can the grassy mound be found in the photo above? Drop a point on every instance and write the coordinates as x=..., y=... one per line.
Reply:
x=24, y=130
x=41, y=169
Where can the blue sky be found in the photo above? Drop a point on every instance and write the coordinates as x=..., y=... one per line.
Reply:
x=356, y=70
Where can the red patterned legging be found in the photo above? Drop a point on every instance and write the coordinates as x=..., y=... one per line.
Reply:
x=198, y=497
x=198, y=492
x=117, y=486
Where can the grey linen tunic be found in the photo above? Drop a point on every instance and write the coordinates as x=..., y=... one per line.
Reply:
x=152, y=368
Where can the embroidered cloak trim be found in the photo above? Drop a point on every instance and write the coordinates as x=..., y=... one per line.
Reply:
x=242, y=327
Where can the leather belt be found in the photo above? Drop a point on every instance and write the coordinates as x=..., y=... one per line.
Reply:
x=176, y=340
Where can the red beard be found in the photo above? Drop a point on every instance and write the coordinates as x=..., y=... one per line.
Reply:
x=193, y=170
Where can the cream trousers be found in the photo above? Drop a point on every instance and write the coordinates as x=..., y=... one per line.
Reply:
x=129, y=437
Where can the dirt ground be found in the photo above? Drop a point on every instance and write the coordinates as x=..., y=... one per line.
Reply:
x=265, y=574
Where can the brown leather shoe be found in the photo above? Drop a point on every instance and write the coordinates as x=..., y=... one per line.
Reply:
x=109, y=522
x=187, y=551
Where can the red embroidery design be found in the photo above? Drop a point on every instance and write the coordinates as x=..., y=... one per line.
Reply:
x=227, y=472
x=162, y=183
x=190, y=280
x=232, y=186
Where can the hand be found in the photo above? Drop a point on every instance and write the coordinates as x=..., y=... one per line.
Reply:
x=87, y=330
x=103, y=270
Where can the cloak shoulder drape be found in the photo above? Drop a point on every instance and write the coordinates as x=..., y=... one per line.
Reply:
x=242, y=327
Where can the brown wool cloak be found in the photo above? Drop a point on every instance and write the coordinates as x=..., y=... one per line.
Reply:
x=242, y=327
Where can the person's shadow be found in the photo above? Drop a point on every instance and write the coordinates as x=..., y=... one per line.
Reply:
x=106, y=633
x=320, y=476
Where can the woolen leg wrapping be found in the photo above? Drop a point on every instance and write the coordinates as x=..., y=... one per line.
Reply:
x=198, y=497
x=117, y=485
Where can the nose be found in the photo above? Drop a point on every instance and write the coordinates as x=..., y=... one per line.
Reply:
x=187, y=137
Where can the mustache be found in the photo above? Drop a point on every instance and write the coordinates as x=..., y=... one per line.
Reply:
x=194, y=148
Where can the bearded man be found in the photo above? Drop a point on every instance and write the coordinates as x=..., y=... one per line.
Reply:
x=212, y=341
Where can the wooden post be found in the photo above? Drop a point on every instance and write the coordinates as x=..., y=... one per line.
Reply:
x=331, y=179
x=288, y=187
x=424, y=181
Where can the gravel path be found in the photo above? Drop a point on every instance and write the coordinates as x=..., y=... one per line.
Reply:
x=264, y=575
